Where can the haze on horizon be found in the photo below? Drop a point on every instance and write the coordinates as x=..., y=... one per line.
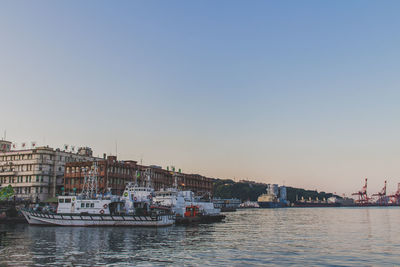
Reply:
x=304, y=93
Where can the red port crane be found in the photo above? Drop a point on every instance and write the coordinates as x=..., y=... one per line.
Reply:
x=382, y=199
x=362, y=194
x=396, y=197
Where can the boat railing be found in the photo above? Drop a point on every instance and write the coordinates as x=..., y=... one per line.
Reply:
x=69, y=216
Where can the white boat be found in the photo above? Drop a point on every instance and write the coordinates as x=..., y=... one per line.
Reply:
x=180, y=201
x=134, y=208
x=249, y=204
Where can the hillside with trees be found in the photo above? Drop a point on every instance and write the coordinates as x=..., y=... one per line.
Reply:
x=244, y=190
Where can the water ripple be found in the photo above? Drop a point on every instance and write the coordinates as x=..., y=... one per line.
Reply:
x=307, y=236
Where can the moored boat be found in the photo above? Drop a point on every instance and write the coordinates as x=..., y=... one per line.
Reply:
x=194, y=215
x=271, y=200
x=249, y=205
x=187, y=207
x=133, y=208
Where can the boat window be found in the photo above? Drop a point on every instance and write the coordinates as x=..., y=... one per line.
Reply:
x=82, y=205
x=67, y=200
x=87, y=205
x=61, y=200
x=92, y=205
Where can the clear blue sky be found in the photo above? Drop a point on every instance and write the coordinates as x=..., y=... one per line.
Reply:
x=300, y=92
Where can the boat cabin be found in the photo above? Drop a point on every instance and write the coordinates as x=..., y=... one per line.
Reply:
x=192, y=211
x=76, y=205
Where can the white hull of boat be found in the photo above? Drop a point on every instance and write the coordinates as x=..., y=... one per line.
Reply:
x=39, y=218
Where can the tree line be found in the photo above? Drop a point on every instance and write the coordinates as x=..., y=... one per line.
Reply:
x=251, y=191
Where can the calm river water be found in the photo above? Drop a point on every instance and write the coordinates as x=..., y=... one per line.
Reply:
x=299, y=236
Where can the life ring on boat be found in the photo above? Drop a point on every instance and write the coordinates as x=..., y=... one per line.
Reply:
x=102, y=212
x=105, y=206
x=135, y=198
x=125, y=194
x=73, y=199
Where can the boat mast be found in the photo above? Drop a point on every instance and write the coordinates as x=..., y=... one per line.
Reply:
x=90, y=183
x=175, y=180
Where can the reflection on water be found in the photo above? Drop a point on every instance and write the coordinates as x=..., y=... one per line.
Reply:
x=305, y=236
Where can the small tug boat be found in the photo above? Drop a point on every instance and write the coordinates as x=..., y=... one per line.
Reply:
x=134, y=208
x=194, y=215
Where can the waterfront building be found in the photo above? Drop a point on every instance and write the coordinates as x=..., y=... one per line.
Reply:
x=162, y=179
x=36, y=174
x=114, y=174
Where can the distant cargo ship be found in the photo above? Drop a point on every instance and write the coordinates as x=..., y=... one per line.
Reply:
x=316, y=204
x=330, y=202
x=271, y=200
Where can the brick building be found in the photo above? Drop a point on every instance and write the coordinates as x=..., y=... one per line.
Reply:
x=115, y=174
x=111, y=174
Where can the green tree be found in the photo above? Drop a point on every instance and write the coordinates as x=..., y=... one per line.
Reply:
x=6, y=192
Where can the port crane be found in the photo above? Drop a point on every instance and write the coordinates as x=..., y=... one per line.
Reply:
x=362, y=194
x=395, y=198
x=382, y=199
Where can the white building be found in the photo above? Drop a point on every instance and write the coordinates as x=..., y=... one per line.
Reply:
x=36, y=174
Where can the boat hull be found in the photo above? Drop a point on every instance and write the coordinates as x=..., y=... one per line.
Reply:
x=200, y=219
x=271, y=205
x=315, y=205
x=38, y=218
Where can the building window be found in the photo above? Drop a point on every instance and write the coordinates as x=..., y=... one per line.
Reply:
x=37, y=178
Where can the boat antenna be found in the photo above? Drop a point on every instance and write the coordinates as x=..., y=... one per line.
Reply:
x=136, y=177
